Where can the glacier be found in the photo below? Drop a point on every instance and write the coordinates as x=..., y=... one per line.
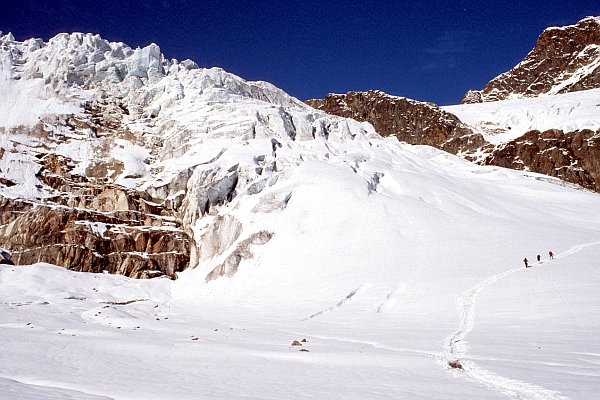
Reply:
x=393, y=261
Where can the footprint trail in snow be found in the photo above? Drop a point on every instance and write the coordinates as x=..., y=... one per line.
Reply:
x=456, y=348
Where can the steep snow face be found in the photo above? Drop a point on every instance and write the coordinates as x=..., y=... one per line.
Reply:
x=192, y=138
x=502, y=121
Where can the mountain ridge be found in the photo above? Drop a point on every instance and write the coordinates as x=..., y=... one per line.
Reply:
x=564, y=59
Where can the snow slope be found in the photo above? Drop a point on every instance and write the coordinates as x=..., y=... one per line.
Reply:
x=502, y=121
x=391, y=260
x=378, y=281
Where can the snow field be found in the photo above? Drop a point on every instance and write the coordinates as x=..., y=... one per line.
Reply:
x=391, y=260
x=372, y=279
x=502, y=121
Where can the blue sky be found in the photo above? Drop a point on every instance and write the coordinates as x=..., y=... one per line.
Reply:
x=429, y=50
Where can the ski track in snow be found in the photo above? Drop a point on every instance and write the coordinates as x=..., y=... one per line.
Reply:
x=457, y=348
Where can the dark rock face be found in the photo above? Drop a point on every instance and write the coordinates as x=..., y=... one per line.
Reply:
x=571, y=156
x=563, y=60
x=411, y=121
x=84, y=220
x=5, y=257
x=83, y=240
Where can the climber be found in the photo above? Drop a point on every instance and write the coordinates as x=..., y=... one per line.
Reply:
x=525, y=261
x=539, y=258
x=551, y=255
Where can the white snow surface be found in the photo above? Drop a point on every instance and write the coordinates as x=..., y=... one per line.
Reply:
x=391, y=260
x=387, y=286
x=502, y=121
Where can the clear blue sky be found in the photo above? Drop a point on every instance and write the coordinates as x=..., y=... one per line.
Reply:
x=426, y=50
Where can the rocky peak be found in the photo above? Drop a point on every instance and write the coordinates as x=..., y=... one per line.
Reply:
x=564, y=59
x=412, y=121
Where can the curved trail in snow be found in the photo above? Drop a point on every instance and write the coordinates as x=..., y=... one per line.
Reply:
x=457, y=348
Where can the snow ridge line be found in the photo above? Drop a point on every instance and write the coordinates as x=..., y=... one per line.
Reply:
x=576, y=249
x=66, y=390
x=457, y=348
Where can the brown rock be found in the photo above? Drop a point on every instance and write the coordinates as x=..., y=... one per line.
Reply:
x=89, y=222
x=563, y=60
x=409, y=120
x=571, y=156
x=83, y=240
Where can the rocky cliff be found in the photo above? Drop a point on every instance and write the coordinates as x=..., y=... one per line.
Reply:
x=409, y=120
x=571, y=156
x=77, y=215
x=564, y=59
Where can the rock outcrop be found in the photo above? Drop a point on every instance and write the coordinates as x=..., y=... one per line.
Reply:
x=5, y=257
x=564, y=59
x=83, y=240
x=571, y=156
x=84, y=220
x=409, y=120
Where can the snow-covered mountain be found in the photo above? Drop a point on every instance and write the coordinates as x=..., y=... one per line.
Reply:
x=555, y=135
x=564, y=59
x=124, y=151
x=400, y=265
x=541, y=116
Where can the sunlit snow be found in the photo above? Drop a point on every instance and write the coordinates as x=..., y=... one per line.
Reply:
x=393, y=262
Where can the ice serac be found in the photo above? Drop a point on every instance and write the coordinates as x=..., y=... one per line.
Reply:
x=412, y=121
x=564, y=59
x=117, y=159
